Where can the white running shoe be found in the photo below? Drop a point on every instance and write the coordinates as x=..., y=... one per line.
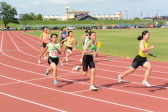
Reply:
x=81, y=60
x=75, y=68
x=119, y=78
x=39, y=61
x=66, y=59
x=146, y=83
x=61, y=63
x=92, y=88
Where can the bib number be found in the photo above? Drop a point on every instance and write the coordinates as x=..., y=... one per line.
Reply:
x=70, y=44
x=54, y=53
x=47, y=39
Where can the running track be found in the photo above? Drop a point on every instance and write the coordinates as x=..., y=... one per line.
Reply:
x=25, y=88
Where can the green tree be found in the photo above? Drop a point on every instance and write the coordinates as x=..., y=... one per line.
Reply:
x=137, y=18
x=25, y=18
x=7, y=14
x=39, y=17
x=32, y=15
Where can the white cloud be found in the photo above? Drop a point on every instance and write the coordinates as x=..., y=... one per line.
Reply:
x=37, y=2
x=23, y=6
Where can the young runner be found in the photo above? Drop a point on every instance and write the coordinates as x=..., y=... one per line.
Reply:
x=89, y=52
x=45, y=39
x=47, y=53
x=86, y=38
x=54, y=52
x=141, y=59
x=63, y=36
x=70, y=40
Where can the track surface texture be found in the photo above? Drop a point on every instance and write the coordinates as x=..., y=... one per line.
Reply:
x=24, y=87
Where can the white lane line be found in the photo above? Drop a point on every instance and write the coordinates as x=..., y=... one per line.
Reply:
x=65, y=70
x=102, y=87
x=102, y=55
x=116, y=71
x=32, y=102
x=79, y=95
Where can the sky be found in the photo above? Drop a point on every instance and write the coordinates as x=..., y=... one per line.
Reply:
x=57, y=7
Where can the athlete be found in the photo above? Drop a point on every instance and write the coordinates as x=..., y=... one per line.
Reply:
x=86, y=38
x=89, y=52
x=62, y=34
x=54, y=53
x=69, y=41
x=140, y=59
x=45, y=39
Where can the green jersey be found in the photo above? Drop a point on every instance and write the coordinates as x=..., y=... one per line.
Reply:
x=52, y=51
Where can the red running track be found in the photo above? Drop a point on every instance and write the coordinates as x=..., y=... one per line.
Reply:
x=25, y=88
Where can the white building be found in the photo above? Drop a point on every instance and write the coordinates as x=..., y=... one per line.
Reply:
x=71, y=15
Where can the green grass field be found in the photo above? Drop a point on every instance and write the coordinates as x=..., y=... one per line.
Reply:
x=124, y=42
x=51, y=23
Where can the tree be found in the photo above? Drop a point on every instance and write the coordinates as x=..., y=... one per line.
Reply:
x=39, y=17
x=25, y=18
x=7, y=14
x=32, y=15
x=137, y=18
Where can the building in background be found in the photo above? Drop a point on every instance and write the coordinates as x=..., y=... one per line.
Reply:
x=84, y=15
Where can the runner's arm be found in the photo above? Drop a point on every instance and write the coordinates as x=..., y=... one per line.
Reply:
x=64, y=40
x=41, y=37
x=143, y=49
x=58, y=49
x=83, y=37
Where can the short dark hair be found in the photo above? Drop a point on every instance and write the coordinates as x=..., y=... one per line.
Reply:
x=53, y=35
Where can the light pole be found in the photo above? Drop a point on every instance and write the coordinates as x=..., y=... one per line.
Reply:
x=126, y=14
x=141, y=14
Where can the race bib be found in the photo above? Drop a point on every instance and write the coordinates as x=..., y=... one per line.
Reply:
x=47, y=39
x=70, y=44
x=54, y=53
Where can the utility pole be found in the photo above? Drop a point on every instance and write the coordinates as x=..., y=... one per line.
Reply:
x=126, y=14
x=141, y=14
x=157, y=13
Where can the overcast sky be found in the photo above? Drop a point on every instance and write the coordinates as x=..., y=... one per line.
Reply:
x=57, y=7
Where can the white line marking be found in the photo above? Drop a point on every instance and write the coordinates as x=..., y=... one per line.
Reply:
x=32, y=102
x=104, y=55
x=79, y=95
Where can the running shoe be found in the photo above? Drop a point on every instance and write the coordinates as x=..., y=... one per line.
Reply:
x=81, y=60
x=39, y=61
x=146, y=83
x=61, y=63
x=119, y=78
x=93, y=88
x=56, y=82
x=47, y=71
x=45, y=57
x=76, y=68
x=66, y=59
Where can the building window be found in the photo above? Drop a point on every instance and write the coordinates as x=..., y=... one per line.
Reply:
x=111, y=18
x=106, y=18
